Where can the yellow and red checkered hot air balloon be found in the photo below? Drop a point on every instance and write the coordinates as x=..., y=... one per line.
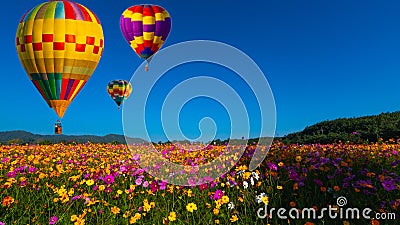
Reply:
x=59, y=44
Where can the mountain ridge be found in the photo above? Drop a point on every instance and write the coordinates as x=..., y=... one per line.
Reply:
x=20, y=136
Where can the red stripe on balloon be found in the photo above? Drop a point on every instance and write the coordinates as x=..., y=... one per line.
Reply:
x=63, y=89
x=137, y=9
x=85, y=13
x=148, y=11
x=69, y=11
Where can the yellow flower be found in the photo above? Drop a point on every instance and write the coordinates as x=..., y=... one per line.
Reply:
x=115, y=210
x=126, y=214
x=246, y=175
x=80, y=222
x=55, y=200
x=265, y=200
x=346, y=223
x=102, y=187
x=191, y=207
x=216, y=221
x=280, y=164
x=89, y=182
x=132, y=220
x=74, y=218
x=298, y=158
x=215, y=211
x=119, y=192
x=189, y=193
x=71, y=192
x=225, y=199
x=279, y=187
x=172, y=216
x=146, y=207
x=234, y=218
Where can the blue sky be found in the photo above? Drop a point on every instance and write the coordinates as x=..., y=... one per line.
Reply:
x=322, y=59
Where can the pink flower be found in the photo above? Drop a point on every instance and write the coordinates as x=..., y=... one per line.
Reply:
x=53, y=220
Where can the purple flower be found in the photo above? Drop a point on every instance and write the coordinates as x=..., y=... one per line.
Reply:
x=272, y=166
x=318, y=182
x=145, y=184
x=163, y=185
x=388, y=185
x=154, y=186
x=11, y=174
x=108, y=190
x=109, y=179
x=3, y=161
x=53, y=220
x=1, y=223
x=32, y=169
x=218, y=195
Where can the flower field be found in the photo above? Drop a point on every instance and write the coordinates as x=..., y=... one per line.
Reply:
x=103, y=184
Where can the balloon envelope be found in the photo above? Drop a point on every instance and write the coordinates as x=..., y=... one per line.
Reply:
x=59, y=44
x=145, y=27
x=119, y=90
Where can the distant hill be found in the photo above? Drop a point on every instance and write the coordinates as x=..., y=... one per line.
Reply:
x=27, y=137
x=384, y=126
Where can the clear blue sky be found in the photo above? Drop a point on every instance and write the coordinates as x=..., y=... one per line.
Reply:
x=323, y=60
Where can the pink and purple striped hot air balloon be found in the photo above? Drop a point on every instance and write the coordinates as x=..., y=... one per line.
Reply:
x=145, y=27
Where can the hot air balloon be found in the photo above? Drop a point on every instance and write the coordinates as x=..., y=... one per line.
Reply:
x=145, y=27
x=59, y=44
x=119, y=90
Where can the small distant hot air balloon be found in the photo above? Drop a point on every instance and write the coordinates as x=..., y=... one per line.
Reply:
x=145, y=27
x=59, y=44
x=119, y=90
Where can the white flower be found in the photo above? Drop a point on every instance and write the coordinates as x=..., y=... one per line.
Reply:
x=245, y=184
x=255, y=175
x=252, y=181
x=240, y=172
x=259, y=197
x=231, y=206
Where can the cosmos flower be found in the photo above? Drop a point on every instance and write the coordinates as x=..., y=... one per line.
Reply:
x=53, y=220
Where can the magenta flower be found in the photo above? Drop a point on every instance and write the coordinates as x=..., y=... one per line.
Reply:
x=218, y=195
x=108, y=190
x=109, y=179
x=154, y=186
x=53, y=220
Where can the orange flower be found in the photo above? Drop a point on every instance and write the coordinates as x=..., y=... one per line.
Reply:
x=375, y=222
x=7, y=201
x=292, y=204
x=323, y=189
x=309, y=223
x=336, y=188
